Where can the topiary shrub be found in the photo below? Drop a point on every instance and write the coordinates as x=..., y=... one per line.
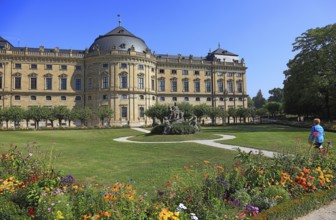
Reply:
x=183, y=128
x=158, y=129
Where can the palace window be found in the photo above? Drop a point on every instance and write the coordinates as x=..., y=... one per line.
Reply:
x=78, y=67
x=64, y=67
x=197, y=86
x=124, y=81
x=161, y=71
x=141, y=112
x=63, y=97
x=238, y=74
x=230, y=86
x=162, y=98
x=33, y=83
x=197, y=99
x=140, y=67
x=173, y=71
x=123, y=66
x=48, y=83
x=141, y=82
x=33, y=66
x=185, y=72
x=174, y=85
x=208, y=73
x=229, y=74
x=78, y=84
x=48, y=98
x=123, y=97
x=78, y=98
x=63, y=83
x=33, y=97
x=48, y=67
x=207, y=85
x=124, y=111
x=17, y=97
x=105, y=66
x=17, y=82
x=220, y=85
x=208, y=99
x=162, y=85
x=141, y=97
x=186, y=99
x=153, y=84
x=185, y=85
x=105, y=82
x=239, y=86
x=174, y=99
x=105, y=97
x=18, y=66
x=197, y=73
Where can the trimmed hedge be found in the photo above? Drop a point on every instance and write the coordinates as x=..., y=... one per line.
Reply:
x=298, y=207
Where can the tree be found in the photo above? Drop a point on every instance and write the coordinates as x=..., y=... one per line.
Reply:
x=261, y=113
x=104, y=112
x=215, y=112
x=200, y=111
x=250, y=103
x=1, y=116
x=6, y=116
x=310, y=82
x=243, y=113
x=38, y=113
x=16, y=114
x=232, y=112
x=259, y=100
x=50, y=116
x=158, y=111
x=60, y=113
x=276, y=95
x=83, y=114
x=187, y=109
x=27, y=117
x=273, y=108
x=71, y=116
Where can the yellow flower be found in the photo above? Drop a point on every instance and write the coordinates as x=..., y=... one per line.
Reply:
x=59, y=215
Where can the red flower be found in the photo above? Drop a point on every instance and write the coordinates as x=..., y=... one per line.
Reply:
x=31, y=212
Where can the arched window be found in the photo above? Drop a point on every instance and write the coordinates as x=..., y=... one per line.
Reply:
x=63, y=82
x=230, y=86
x=207, y=85
x=197, y=85
x=33, y=81
x=239, y=86
x=220, y=86
x=185, y=85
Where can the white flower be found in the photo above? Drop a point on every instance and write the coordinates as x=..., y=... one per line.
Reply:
x=193, y=216
x=30, y=154
x=180, y=207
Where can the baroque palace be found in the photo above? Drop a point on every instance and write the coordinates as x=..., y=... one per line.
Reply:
x=119, y=71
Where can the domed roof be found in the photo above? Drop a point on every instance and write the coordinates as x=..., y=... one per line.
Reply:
x=4, y=44
x=118, y=39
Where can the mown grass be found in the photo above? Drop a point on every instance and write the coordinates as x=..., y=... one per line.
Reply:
x=92, y=155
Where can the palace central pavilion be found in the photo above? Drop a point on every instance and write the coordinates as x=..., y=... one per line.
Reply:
x=118, y=71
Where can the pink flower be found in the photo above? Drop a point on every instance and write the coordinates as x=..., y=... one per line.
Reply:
x=316, y=134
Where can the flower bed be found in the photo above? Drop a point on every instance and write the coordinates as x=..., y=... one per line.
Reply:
x=254, y=187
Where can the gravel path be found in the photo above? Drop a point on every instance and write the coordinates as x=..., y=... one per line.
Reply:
x=327, y=212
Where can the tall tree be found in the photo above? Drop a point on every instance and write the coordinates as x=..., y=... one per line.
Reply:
x=276, y=95
x=60, y=112
x=259, y=100
x=104, y=112
x=201, y=111
x=157, y=111
x=310, y=82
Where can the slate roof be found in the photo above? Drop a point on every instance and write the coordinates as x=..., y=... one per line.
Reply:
x=119, y=39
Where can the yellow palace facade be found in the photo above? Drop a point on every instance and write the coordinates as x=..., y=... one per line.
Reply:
x=118, y=71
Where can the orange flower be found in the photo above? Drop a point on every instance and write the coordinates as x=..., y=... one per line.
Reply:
x=219, y=167
x=206, y=161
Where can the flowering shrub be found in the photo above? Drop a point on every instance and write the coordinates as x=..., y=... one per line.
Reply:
x=30, y=188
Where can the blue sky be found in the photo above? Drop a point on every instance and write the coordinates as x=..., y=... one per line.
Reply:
x=260, y=31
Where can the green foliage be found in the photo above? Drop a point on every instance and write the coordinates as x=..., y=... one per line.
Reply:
x=201, y=111
x=310, y=82
x=183, y=128
x=259, y=100
x=273, y=108
x=276, y=95
x=157, y=111
x=187, y=109
x=158, y=129
x=104, y=112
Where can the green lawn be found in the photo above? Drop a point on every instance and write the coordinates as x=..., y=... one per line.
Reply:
x=92, y=155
